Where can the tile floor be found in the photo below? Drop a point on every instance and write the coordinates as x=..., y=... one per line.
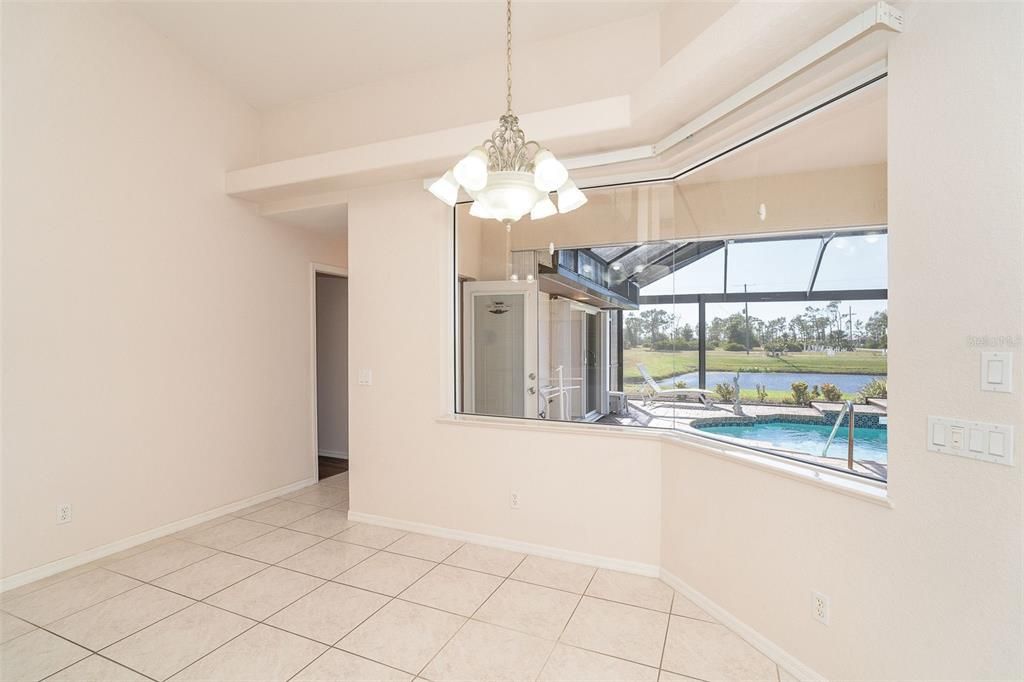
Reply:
x=290, y=589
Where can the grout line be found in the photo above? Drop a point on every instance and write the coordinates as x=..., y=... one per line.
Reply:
x=668, y=624
x=475, y=611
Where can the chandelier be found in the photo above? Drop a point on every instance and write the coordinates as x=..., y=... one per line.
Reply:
x=508, y=176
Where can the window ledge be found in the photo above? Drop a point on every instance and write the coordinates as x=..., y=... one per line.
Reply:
x=863, y=489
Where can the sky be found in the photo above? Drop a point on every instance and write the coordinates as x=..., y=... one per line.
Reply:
x=851, y=262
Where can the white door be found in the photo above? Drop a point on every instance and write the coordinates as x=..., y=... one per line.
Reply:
x=499, y=347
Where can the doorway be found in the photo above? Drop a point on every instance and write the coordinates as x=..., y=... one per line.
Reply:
x=331, y=363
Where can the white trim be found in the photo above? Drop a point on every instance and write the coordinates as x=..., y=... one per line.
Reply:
x=90, y=555
x=783, y=658
x=333, y=454
x=325, y=269
x=635, y=567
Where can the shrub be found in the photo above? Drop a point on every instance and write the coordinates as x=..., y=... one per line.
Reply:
x=793, y=347
x=815, y=392
x=673, y=345
x=831, y=392
x=800, y=395
x=680, y=384
x=734, y=347
x=762, y=392
x=876, y=388
x=725, y=392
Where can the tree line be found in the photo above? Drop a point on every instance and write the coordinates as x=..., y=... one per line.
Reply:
x=828, y=327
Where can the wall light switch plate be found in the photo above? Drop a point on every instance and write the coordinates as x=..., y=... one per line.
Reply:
x=997, y=372
x=974, y=440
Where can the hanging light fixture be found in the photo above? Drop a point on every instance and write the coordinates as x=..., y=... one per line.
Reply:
x=508, y=176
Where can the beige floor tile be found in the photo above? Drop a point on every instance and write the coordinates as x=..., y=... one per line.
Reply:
x=402, y=635
x=452, y=589
x=256, y=507
x=636, y=590
x=229, y=535
x=712, y=652
x=277, y=545
x=681, y=606
x=329, y=612
x=328, y=559
x=535, y=610
x=424, y=546
x=561, y=575
x=628, y=632
x=283, y=513
x=338, y=480
x=103, y=624
x=487, y=559
x=343, y=507
x=261, y=595
x=161, y=560
x=210, y=575
x=386, y=573
x=341, y=666
x=325, y=523
x=203, y=526
x=96, y=669
x=11, y=627
x=166, y=647
x=569, y=664
x=785, y=675
x=369, y=535
x=666, y=676
x=36, y=585
x=35, y=655
x=481, y=651
x=68, y=596
x=261, y=654
x=326, y=496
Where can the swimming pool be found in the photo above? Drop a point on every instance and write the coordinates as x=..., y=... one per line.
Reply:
x=868, y=444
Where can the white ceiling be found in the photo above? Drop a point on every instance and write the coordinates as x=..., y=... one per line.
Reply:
x=272, y=53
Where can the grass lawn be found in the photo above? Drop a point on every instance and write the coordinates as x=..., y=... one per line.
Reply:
x=664, y=364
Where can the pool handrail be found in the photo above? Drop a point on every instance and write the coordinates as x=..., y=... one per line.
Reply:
x=846, y=409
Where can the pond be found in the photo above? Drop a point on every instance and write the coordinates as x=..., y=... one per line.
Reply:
x=775, y=381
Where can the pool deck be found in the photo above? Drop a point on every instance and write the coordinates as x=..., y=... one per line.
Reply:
x=680, y=415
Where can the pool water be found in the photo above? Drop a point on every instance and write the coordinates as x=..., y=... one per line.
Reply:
x=868, y=444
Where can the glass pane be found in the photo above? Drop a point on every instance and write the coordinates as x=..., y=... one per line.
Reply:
x=772, y=265
x=704, y=276
x=498, y=358
x=856, y=262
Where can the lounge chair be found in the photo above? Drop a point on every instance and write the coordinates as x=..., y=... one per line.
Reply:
x=652, y=390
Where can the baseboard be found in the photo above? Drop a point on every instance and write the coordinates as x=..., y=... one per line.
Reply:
x=88, y=556
x=792, y=665
x=512, y=545
x=333, y=454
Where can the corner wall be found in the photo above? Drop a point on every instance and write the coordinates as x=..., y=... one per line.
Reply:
x=156, y=333
x=932, y=588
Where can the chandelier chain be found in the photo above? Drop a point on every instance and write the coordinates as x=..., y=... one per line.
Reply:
x=508, y=55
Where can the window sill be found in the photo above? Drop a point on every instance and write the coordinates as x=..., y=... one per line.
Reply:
x=852, y=486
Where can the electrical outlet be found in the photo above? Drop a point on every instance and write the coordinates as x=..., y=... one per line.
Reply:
x=513, y=499
x=820, y=606
x=63, y=513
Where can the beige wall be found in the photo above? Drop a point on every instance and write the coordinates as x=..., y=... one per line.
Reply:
x=156, y=334
x=332, y=365
x=930, y=588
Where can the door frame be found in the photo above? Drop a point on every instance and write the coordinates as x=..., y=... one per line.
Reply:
x=314, y=269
